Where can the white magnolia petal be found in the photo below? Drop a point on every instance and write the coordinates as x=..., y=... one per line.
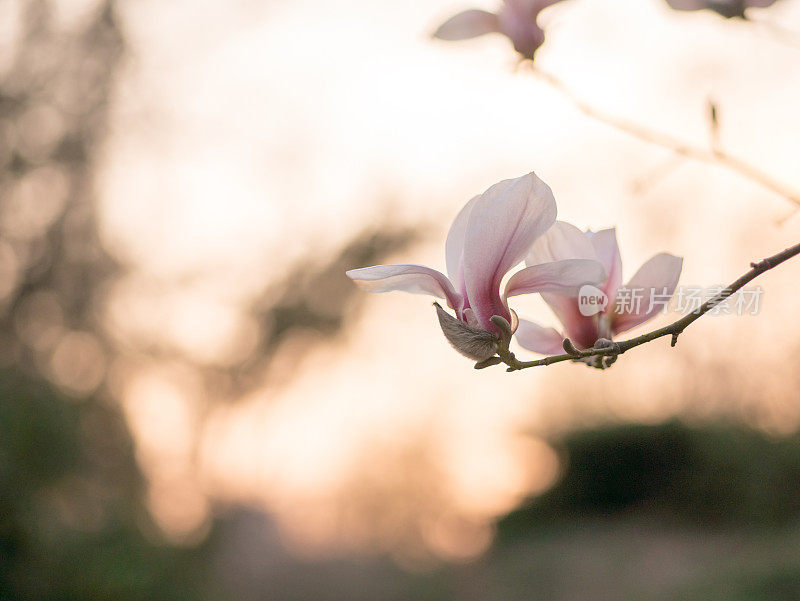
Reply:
x=647, y=292
x=454, y=246
x=559, y=277
x=562, y=241
x=468, y=24
x=503, y=224
x=561, y=297
x=538, y=339
x=607, y=250
x=416, y=279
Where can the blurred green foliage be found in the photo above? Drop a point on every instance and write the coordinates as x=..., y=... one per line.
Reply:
x=72, y=520
x=708, y=477
x=657, y=512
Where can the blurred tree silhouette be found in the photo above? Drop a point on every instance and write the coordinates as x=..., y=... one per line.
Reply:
x=659, y=512
x=708, y=478
x=73, y=523
x=53, y=113
x=72, y=520
x=315, y=298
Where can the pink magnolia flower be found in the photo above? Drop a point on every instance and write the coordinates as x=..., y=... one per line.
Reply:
x=516, y=20
x=726, y=8
x=491, y=234
x=606, y=310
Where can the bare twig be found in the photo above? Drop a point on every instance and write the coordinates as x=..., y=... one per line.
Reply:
x=606, y=351
x=708, y=155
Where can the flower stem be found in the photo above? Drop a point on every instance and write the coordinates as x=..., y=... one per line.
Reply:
x=674, y=330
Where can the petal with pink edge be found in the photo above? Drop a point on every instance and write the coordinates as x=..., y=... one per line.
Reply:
x=562, y=241
x=468, y=24
x=454, y=246
x=559, y=277
x=416, y=279
x=653, y=284
x=538, y=339
x=607, y=251
x=503, y=224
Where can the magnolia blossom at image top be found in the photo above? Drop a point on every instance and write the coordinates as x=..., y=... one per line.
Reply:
x=516, y=19
x=726, y=8
x=654, y=283
x=491, y=235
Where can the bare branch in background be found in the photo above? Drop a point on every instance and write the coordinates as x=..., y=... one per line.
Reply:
x=713, y=155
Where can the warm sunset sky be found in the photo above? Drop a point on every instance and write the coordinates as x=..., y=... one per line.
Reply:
x=248, y=134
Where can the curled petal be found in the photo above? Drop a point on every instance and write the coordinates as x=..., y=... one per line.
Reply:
x=648, y=291
x=607, y=250
x=562, y=241
x=416, y=279
x=503, y=224
x=475, y=343
x=564, y=278
x=468, y=24
x=538, y=339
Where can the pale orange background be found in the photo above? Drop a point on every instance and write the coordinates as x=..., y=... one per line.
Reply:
x=255, y=134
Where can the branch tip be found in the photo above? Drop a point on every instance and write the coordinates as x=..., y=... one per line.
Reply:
x=502, y=323
x=570, y=348
x=605, y=352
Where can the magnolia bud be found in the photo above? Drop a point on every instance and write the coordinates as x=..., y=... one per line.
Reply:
x=475, y=343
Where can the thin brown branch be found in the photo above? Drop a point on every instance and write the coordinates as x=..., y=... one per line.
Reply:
x=606, y=348
x=716, y=155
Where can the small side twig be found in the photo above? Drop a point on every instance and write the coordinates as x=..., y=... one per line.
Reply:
x=713, y=155
x=608, y=349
